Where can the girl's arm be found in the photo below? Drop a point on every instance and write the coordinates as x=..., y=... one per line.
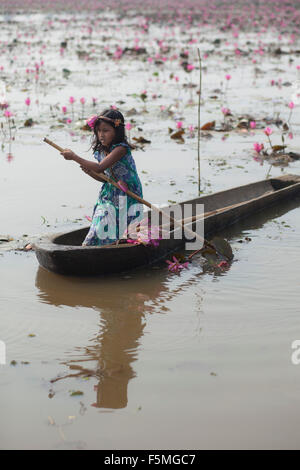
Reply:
x=115, y=155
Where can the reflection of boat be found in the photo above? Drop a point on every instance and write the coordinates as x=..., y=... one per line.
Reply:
x=64, y=254
x=122, y=305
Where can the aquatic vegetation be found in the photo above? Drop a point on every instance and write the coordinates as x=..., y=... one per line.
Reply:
x=175, y=266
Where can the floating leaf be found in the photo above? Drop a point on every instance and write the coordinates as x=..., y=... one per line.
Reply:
x=75, y=393
x=208, y=126
x=29, y=122
x=277, y=148
x=178, y=135
x=141, y=140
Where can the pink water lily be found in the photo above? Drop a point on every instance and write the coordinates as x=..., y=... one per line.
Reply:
x=27, y=101
x=291, y=105
x=175, y=266
x=268, y=131
x=226, y=111
x=72, y=99
x=258, y=147
x=222, y=264
x=252, y=124
x=228, y=77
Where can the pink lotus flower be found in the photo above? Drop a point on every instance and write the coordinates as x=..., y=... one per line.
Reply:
x=268, y=131
x=64, y=109
x=91, y=121
x=27, y=101
x=291, y=105
x=72, y=99
x=252, y=124
x=82, y=100
x=222, y=264
x=226, y=111
x=190, y=67
x=290, y=135
x=128, y=126
x=179, y=124
x=228, y=77
x=258, y=147
x=7, y=113
x=175, y=266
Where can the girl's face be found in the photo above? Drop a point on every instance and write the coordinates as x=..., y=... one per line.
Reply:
x=106, y=134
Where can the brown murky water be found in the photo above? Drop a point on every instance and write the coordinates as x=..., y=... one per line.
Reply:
x=158, y=361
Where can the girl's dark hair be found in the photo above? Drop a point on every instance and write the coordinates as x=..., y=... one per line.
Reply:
x=120, y=136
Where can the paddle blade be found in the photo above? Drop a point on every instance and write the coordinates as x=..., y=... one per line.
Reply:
x=222, y=247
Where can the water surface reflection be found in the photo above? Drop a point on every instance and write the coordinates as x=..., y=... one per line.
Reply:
x=124, y=303
x=122, y=306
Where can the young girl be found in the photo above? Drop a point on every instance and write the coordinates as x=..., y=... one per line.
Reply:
x=113, y=154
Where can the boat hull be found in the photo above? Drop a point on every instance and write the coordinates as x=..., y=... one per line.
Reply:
x=64, y=254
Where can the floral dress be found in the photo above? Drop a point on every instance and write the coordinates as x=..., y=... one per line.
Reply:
x=114, y=210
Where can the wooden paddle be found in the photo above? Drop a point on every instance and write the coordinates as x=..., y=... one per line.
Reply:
x=151, y=206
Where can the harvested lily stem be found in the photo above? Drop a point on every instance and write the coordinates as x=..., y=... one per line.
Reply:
x=199, y=106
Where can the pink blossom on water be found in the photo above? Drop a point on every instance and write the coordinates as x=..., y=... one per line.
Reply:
x=225, y=111
x=290, y=135
x=7, y=113
x=228, y=77
x=72, y=99
x=82, y=100
x=64, y=109
x=27, y=101
x=258, y=147
x=291, y=105
x=223, y=264
x=252, y=124
x=128, y=126
x=179, y=124
x=268, y=131
x=175, y=266
x=190, y=67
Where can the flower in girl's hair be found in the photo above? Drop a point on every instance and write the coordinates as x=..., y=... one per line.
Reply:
x=91, y=121
x=117, y=122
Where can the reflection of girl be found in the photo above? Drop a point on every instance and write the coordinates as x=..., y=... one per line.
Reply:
x=113, y=154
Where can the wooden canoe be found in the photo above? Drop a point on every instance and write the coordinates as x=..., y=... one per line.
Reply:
x=63, y=253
